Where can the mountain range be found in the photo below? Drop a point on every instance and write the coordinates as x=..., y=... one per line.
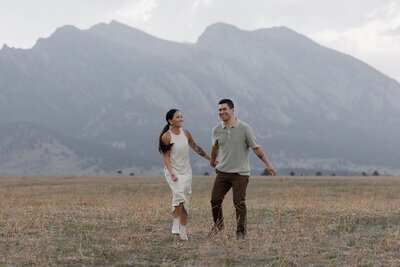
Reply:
x=94, y=101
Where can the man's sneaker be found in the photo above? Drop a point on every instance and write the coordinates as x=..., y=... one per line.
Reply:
x=240, y=235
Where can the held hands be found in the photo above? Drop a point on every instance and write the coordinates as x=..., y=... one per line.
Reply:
x=213, y=163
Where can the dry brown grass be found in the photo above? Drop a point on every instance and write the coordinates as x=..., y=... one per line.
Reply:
x=292, y=221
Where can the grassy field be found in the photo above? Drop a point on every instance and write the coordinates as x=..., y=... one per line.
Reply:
x=125, y=221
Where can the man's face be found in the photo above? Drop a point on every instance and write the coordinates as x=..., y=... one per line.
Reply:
x=225, y=113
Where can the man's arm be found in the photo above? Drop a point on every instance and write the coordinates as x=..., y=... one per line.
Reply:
x=214, y=154
x=261, y=155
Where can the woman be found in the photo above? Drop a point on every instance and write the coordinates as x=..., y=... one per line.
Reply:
x=174, y=145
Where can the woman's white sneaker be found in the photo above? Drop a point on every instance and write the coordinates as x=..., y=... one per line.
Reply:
x=182, y=233
x=175, y=227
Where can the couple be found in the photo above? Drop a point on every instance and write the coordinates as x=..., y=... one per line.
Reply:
x=231, y=139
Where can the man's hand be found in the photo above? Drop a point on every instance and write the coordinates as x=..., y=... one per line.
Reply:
x=271, y=170
x=213, y=163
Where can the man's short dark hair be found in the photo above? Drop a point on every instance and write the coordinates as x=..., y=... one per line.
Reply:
x=228, y=102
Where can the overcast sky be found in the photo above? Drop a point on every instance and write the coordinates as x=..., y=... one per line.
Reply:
x=366, y=29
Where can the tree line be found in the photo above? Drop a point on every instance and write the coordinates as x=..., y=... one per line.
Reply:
x=319, y=173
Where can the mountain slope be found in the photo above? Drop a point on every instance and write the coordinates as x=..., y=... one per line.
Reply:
x=311, y=107
x=46, y=152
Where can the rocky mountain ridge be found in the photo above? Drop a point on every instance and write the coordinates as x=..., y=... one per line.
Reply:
x=111, y=85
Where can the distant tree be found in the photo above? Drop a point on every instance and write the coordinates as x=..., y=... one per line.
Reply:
x=364, y=174
x=265, y=172
x=375, y=173
x=292, y=173
x=119, y=172
x=318, y=173
x=206, y=174
x=333, y=174
x=132, y=174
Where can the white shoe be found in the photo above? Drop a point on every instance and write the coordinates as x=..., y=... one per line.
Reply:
x=175, y=227
x=182, y=233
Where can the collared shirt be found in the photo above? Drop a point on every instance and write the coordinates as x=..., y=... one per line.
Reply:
x=234, y=146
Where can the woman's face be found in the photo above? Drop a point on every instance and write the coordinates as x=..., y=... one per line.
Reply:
x=177, y=119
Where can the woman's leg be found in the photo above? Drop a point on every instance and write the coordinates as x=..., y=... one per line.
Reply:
x=175, y=223
x=176, y=212
x=183, y=214
x=183, y=218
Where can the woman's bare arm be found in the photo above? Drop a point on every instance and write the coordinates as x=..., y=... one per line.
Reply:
x=196, y=147
x=166, y=139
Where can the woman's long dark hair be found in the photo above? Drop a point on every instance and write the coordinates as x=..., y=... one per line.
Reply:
x=161, y=146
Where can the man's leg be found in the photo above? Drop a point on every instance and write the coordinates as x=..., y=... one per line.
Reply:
x=222, y=184
x=239, y=186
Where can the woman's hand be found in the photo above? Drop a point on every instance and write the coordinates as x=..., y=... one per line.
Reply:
x=173, y=177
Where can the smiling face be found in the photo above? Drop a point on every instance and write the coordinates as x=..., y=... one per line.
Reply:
x=177, y=120
x=225, y=113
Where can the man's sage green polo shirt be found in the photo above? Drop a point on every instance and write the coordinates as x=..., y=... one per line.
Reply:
x=234, y=146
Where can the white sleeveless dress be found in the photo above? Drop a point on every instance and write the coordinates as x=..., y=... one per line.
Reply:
x=179, y=157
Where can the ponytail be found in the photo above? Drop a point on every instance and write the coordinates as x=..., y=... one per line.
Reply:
x=162, y=148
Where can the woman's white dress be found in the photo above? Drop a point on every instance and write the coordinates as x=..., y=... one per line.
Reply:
x=179, y=157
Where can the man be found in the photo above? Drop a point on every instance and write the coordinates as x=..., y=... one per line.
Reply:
x=231, y=139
